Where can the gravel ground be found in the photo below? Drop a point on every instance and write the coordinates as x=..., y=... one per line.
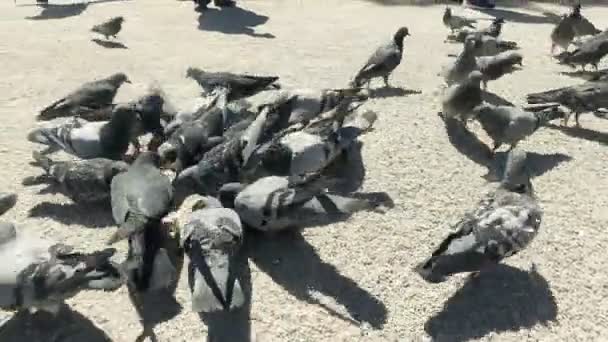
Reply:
x=350, y=281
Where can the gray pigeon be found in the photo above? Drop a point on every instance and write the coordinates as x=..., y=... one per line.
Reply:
x=42, y=275
x=503, y=224
x=90, y=97
x=7, y=201
x=463, y=65
x=582, y=25
x=490, y=46
x=110, y=27
x=455, y=22
x=141, y=197
x=586, y=97
x=83, y=181
x=494, y=29
x=563, y=34
x=460, y=99
x=309, y=103
x=590, y=52
x=87, y=140
x=211, y=236
x=509, y=125
x=238, y=85
x=384, y=60
x=494, y=67
x=276, y=203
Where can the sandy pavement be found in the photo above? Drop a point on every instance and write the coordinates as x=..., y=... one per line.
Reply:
x=350, y=281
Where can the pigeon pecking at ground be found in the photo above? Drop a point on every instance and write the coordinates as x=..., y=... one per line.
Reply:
x=384, y=60
x=504, y=223
x=463, y=65
x=110, y=27
x=211, y=236
x=586, y=97
x=42, y=275
x=87, y=140
x=90, y=97
x=275, y=203
x=237, y=85
x=494, y=67
x=510, y=125
x=460, y=99
x=455, y=22
x=83, y=181
x=590, y=52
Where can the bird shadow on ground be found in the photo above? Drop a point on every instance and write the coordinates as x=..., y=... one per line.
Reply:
x=61, y=11
x=234, y=325
x=582, y=133
x=494, y=99
x=586, y=75
x=468, y=144
x=68, y=325
x=295, y=265
x=348, y=169
x=386, y=92
x=520, y=17
x=232, y=20
x=109, y=44
x=87, y=215
x=502, y=299
x=156, y=307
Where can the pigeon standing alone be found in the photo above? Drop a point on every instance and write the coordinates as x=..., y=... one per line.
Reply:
x=384, y=60
x=504, y=223
x=110, y=27
x=455, y=22
x=460, y=99
x=87, y=140
x=91, y=96
x=212, y=237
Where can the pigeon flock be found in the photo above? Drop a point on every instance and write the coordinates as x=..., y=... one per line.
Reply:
x=255, y=156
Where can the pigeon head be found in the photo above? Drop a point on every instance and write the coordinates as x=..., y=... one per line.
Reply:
x=148, y=158
x=400, y=35
x=119, y=78
x=475, y=77
x=448, y=11
x=119, y=19
x=470, y=44
x=576, y=9
x=193, y=72
x=516, y=177
x=498, y=21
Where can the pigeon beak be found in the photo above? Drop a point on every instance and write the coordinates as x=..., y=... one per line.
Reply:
x=128, y=81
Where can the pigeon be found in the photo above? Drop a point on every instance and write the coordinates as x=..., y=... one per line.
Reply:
x=202, y=4
x=7, y=201
x=305, y=151
x=83, y=181
x=110, y=27
x=237, y=85
x=582, y=26
x=42, y=275
x=590, y=52
x=90, y=97
x=222, y=164
x=494, y=67
x=563, y=34
x=211, y=236
x=275, y=203
x=463, y=65
x=460, y=99
x=309, y=103
x=454, y=22
x=490, y=46
x=504, y=223
x=384, y=60
x=586, y=97
x=87, y=140
x=509, y=125
x=494, y=29
x=141, y=196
